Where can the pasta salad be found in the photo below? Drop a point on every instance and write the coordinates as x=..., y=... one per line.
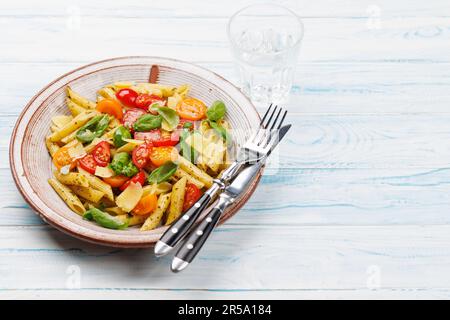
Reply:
x=140, y=155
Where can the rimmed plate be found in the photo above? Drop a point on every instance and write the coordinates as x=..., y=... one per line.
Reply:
x=31, y=164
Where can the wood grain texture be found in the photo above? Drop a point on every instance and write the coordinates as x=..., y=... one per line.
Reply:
x=361, y=189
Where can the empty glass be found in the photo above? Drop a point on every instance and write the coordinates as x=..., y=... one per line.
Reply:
x=265, y=41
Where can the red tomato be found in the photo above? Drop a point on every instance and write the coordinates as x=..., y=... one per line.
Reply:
x=140, y=155
x=191, y=196
x=144, y=100
x=88, y=163
x=158, y=138
x=102, y=153
x=130, y=117
x=127, y=97
x=138, y=178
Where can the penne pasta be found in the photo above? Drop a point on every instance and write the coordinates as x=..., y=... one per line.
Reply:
x=78, y=99
x=99, y=185
x=159, y=188
x=155, y=218
x=72, y=179
x=61, y=120
x=73, y=125
x=87, y=193
x=68, y=196
x=180, y=173
x=191, y=169
x=74, y=108
x=176, y=200
x=51, y=146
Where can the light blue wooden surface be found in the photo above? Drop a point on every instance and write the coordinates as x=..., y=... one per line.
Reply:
x=357, y=207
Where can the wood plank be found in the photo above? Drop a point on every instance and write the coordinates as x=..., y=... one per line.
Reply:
x=150, y=294
x=319, y=88
x=221, y=9
x=397, y=39
x=260, y=258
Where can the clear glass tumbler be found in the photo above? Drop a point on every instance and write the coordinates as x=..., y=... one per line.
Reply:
x=265, y=42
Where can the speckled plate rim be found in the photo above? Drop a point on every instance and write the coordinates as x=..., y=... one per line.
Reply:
x=72, y=228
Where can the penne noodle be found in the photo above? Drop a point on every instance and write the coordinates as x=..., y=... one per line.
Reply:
x=191, y=169
x=159, y=188
x=155, y=218
x=73, y=125
x=107, y=93
x=115, y=211
x=78, y=99
x=69, y=137
x=180, y=173
x=135, y=220
x=72, y=179
x=176, y=200
x=51, y=146
x=61, y=120
x=99, y=185
x=74, y=108
x=87, y=193
x=68, y=196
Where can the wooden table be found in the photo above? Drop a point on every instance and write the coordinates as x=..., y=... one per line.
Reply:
x=358, y=205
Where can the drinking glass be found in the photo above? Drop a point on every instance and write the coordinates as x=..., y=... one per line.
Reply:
x=265, y=42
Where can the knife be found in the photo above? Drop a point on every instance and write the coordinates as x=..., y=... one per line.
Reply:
x=194, y=242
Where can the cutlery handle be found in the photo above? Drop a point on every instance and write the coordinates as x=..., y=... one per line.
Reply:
x=181, y=226
x=197, y=238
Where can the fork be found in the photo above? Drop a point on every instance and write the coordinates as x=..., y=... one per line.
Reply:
x=257, y=146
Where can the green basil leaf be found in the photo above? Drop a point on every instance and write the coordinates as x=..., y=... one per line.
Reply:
x=94, y=128
x=216, y=111
x=170, y=116
x=147, y=122
x=120, y=134
x=121, y=164
x=105, y=220
x=163, y=173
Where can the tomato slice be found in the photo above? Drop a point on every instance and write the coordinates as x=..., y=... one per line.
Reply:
x=88, y=163
x=140, y=156
x=191, y=109
x=192, y=194
x=144, y=101
x=116, y=181
x=130, y=117
x=160, y=155
x=146, y=205
x=102, y=153
x=138, y=178
x=159, y=138
x=62, y=158
x=127, y=97
x=111, y=107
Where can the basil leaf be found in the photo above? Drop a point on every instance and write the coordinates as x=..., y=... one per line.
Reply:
x=216, y=111
x=147, y=122
x=105, y=220
x=94, y=128
x=162, y=173
x=120, y=134
x=170, y=116
x=122, y=164
x=221, y=131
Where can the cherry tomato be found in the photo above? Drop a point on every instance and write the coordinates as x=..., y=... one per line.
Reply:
x=116, y=181
x=138, y=178
x=160, y=155
x=102, y=153
x=88, y=163
x=62, y=158
x=191, y=109
x=192, y=194
x=130, y=117
x=111, y=107
x=158, y=138
x=144, y=101
x=140, y=155
x=146, y=205
x=127, y=97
